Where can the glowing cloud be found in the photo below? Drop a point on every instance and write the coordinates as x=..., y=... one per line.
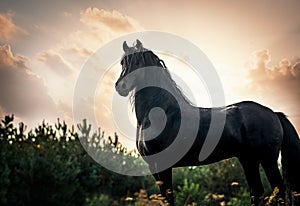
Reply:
x=56, y=63
x=8, y=29
x=111, y=19
x=23, y=93
x=276, y=85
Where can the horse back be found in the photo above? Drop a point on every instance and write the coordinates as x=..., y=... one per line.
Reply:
x=250, y=129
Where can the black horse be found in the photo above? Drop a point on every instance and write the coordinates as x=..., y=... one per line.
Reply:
x=251, y=132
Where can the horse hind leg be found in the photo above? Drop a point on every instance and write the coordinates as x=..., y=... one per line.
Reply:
x=251, y=170
x=274, y=177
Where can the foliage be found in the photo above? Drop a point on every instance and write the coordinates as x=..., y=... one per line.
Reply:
x=187, y=192
x=49, y=165
x=218, y=182
x=142, y=199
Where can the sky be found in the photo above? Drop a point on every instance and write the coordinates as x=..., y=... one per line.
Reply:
x=254, y=46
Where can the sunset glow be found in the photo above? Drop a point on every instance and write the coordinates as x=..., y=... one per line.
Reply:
x=254, y=46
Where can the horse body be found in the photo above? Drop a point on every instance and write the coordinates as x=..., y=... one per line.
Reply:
x=250, y=130
x=253, y=133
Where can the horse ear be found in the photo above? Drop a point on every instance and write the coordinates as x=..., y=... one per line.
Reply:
x=139, y=44
x=125, y=46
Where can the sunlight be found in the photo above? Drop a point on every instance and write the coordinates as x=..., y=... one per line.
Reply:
x=189, y=82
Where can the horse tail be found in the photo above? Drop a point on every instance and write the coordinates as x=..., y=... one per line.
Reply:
x=290, y=156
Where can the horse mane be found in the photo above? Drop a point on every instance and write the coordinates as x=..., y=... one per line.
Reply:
x=160, y=63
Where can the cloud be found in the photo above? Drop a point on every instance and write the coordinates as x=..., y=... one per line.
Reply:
x=68, y=14
x=56, y=63
x=8, y=29
x=112, y=19
x=276, y=85
x=279, y=77
x=99, y=27
x=22, y=92
x=40, y=27
x=69, y=55
x=74, y=50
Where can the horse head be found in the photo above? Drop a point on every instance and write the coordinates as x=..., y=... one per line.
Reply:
x=134, y=58
x=131, y=61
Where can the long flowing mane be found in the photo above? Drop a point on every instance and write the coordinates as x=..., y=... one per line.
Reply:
x=167, y=74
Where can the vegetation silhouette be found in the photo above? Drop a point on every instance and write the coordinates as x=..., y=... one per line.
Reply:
x=48, y=166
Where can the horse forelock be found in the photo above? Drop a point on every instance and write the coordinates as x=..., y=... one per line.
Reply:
x=132, y=51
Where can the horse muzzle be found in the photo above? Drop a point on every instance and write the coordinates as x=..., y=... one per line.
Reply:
x=122, y=89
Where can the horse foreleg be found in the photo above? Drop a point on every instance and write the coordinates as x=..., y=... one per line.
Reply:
x=164, y=181
x=251, y=170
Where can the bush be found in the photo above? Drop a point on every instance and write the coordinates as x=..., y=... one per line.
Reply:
x=48, y=165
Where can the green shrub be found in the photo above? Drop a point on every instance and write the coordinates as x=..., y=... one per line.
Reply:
x=48, y=165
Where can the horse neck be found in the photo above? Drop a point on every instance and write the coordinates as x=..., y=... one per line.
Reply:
x=150, y=97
